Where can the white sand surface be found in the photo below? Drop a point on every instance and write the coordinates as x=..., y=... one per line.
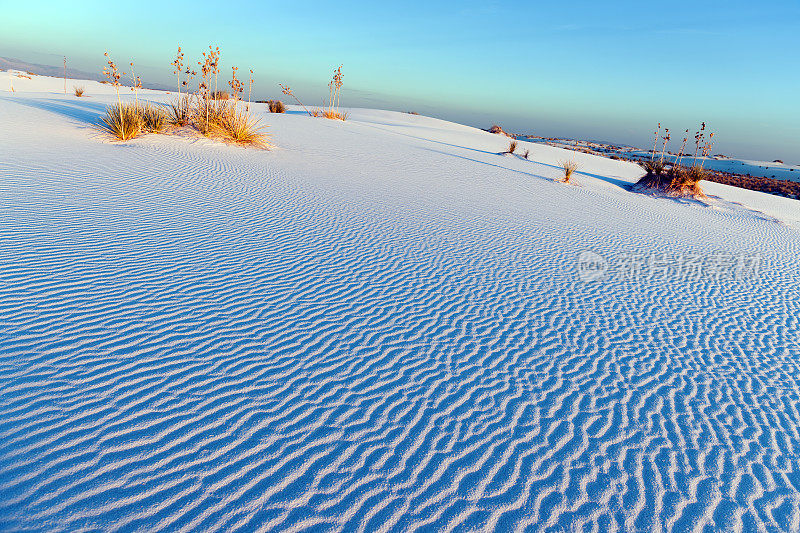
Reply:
x=382, y=324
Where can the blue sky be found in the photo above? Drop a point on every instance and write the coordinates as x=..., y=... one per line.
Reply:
x=596, y=70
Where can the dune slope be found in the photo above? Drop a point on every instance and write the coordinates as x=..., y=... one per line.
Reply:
x=382, y=324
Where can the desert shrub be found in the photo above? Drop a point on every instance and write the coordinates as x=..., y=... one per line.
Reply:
x=655, y=167
x=332, y=109
x=122, y=121
x=569, y=167
x=239, y=127
x=526, y=154
x=676, y=181
x=276, y=106
x=684, y=182
x=179, y=113
x=329, y=113
x=154, y=118
x=512, y=147
x=78, y=90
x=499, y=131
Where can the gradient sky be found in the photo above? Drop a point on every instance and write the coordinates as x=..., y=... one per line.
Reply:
x=586, y=69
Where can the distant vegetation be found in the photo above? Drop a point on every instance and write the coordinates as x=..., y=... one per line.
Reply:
x=212, y=113
x=78, y=90
x=276, y=106
x=332, y=109
x=674, y=179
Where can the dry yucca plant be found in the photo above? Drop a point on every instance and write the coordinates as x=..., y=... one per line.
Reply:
x=329, y=113
x=569, y=167
x=122, y=121
x=240, y=128
x=676, y=181
x=79, y=90
x=179, y=113
x=512, y=147
x=154, y=118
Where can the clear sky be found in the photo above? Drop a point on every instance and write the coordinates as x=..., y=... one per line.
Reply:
x=587, y=69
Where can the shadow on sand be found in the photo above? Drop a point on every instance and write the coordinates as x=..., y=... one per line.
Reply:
x=83, y=111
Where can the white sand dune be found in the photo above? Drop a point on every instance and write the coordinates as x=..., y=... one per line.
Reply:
x=380, y=325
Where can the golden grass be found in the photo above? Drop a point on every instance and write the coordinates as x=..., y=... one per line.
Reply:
x=122, y=121
x=512, y=147
x=330, y=113
x=79, y=90
x=569, y=167
x=179, y=113
x=240, y=128
x=679, y=182
x=127, y=121
x=154, y=118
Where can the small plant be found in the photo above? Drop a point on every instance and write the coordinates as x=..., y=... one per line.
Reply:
x=526, y=154
x=78, y=90
x=276, y=106
x=123, y=121
x=569, y=167
x=512, y=147
x=676, y=181
x=154, y=118
x=180, y=113
x=239, y=127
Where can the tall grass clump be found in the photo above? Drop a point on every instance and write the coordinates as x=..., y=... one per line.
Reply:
x=229, y=119
x=240, y=127
x=512, y=147
x=179, y=113
x=673, y=179
x=154, y=118
x=335, y=89
x=568, y=167
x=331, y=111
x=79, y=90
x=122, y=121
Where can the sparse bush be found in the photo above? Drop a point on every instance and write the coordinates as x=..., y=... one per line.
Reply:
x=676, y=181
x=526, y=154
x=327, y=113
x=276, y=106
x=154, y=118
x=78, y=90
x=239, y=127
x=569, y=167
x=205, y=116
x=179, y=113
x=122, y=121
x=512, y=147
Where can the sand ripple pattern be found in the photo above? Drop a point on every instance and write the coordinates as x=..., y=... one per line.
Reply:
x=213, y=343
